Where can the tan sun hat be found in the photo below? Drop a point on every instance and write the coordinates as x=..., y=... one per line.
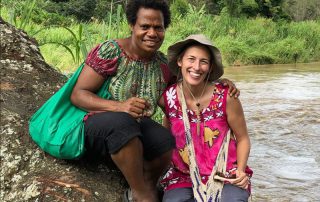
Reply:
x=176, y=49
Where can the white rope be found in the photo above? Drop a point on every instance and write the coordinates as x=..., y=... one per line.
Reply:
x=211, y=191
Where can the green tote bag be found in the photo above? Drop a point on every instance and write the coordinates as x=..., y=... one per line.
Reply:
x=57, y=127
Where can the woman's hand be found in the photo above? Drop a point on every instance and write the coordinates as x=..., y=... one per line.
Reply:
x=232, y=87
x=242, y=180
x=134, y=106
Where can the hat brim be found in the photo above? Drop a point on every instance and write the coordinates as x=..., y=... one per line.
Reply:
x=175, y=50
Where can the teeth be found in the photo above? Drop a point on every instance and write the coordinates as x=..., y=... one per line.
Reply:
x=150, y=41
x=194, y=74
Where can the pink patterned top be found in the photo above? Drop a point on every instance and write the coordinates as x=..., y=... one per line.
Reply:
x=213, y=127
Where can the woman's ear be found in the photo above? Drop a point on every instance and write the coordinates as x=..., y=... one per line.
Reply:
x=131, y=27
x=179, y=62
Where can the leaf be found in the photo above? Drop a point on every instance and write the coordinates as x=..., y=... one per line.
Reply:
x=61, y=44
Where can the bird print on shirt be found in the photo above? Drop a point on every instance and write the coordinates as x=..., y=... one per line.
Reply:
x=210, y=135
x=184, y=154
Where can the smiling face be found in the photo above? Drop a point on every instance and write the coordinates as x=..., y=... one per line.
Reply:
x=148, y=32
x=195, y=64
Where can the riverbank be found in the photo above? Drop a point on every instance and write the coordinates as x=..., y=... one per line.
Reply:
x=242, y=41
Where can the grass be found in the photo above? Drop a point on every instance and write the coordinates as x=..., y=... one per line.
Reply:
x=242, y=41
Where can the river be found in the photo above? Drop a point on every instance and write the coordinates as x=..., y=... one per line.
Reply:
x=282, y=109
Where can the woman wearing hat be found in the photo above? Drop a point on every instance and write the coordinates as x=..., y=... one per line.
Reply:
x=212, y=142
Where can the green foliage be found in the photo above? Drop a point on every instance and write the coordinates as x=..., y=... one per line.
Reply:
x=307, y=32
x=81, y=9
x=272, y=9
x=84, y=10
x=40, y=16
x=20, y=10
x=181, y=26
x=115, y=18
x=179, y=8
x=242, y=40
x=22, y=13
x=288, y=50
x=233, y=50
x=302, y=10
x=103, y=8
x=26, y=13
x=263, y=41
x=77, y=41
x=233, y=7
x=215, y=6
x=249, y=8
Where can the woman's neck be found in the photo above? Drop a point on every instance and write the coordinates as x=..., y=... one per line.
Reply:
x=195, y=91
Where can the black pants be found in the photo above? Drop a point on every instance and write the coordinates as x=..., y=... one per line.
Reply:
x=107, y=132
x=230, y=193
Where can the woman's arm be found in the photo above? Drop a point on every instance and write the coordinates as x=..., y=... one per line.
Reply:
x=237, y=123
x=166, y=122
x=83, y=96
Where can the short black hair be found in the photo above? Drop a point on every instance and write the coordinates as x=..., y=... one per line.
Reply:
x=133, y=7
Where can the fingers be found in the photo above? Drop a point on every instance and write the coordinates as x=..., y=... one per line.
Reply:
x=237, y=94
x=233, y=91
x=135, y=107
x=243, y=181
x=139, y=105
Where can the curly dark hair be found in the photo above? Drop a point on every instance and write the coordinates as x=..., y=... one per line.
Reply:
x=133, y=7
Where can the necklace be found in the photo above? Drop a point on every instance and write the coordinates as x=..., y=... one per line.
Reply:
x=197, y=104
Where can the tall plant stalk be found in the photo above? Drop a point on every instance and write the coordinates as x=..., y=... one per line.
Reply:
x=110, y=20
x=79, y=44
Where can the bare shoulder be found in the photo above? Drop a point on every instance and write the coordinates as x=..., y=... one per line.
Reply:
x=234, y=106
x=89, y=79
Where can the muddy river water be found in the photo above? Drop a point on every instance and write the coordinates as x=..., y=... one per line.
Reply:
x=282, y=109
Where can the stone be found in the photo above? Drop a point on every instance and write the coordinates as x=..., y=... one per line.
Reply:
x=28, y=173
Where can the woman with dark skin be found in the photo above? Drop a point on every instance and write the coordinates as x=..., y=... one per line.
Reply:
x=121, y=126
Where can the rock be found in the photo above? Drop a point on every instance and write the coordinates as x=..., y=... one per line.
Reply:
x=27, y=173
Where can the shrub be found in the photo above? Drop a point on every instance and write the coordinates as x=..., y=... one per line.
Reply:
x=179, y=8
